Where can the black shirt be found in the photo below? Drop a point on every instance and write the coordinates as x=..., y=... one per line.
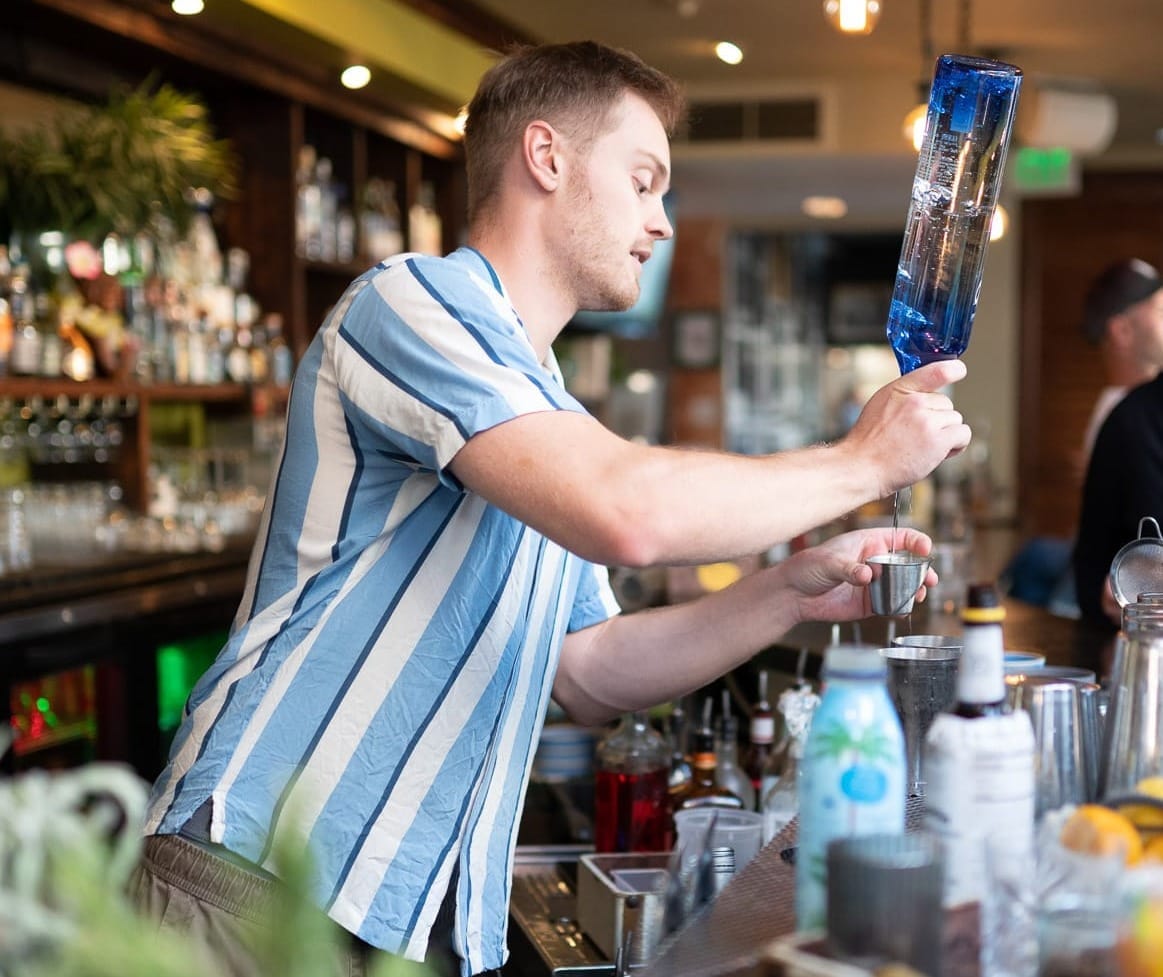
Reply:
x=1124, y=482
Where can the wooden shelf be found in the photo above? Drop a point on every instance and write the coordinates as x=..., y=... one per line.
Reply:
x=159, y=392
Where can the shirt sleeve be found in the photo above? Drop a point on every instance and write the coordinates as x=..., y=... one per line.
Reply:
x=427, y=355
x=594, y=600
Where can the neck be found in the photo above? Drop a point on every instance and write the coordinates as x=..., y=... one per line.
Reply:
x=1123, y=370
x=515, y=250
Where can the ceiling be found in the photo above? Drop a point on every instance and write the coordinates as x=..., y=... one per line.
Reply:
x=1111, y=47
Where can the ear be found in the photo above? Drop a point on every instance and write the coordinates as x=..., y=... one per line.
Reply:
x=542, y=153
x=1118, y=328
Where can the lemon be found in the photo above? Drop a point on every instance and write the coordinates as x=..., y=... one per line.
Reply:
x=1146, y=816
x=1153, y=849
x=1096, y=830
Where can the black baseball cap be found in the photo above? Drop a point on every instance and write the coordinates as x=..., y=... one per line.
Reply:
x=1116, y=289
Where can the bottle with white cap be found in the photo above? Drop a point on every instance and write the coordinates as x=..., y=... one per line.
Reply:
x=979, y=758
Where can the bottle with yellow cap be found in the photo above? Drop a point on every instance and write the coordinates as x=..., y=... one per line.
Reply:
x=979, y=758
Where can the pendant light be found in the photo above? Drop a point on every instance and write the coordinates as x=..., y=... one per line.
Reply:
x=852, y=16
x=913, y=127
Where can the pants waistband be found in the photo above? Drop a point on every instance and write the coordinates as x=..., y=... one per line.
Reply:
x=211, y=878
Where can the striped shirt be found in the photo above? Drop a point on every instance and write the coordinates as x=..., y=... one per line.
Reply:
x=389, y=668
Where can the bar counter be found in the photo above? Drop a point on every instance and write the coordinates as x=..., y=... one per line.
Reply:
x=85, y=639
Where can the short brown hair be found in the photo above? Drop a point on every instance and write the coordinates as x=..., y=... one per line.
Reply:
x=572, y=86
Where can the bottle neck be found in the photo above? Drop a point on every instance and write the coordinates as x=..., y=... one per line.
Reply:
x=981, y=671
x=762, y=729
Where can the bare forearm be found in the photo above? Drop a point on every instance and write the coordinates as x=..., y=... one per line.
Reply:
x=695, y=507
x=637, y=660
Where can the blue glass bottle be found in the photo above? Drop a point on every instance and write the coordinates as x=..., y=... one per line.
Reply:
x=967, y=132
x=852, y=775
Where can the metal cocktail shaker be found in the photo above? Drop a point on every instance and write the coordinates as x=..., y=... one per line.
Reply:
x=967, y=132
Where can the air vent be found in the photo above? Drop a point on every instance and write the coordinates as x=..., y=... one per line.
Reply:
x=798, y=118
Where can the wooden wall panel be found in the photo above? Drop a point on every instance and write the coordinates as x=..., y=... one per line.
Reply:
x=1065, y=243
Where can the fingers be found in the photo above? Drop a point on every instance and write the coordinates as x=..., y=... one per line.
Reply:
x=933, y=376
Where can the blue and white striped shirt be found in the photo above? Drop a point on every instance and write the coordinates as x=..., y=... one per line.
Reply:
x=389, y=668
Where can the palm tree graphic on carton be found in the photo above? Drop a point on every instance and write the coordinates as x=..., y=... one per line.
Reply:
x=862, y=780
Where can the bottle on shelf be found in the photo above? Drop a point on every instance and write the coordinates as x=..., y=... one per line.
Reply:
x=630, y=795
x=852, y=777
x=728, y=773
x=425, y=233
x=328, y=209
x=26, y=340
x=979, y=758
x=380, y=228
x=308, y=207
x=761, y=736
x=703, y=790
x=282, y=360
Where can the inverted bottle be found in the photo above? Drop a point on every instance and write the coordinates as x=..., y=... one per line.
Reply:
x=970, y=119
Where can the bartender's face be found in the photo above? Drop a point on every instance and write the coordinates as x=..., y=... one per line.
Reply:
x=1145, y=321
x=615, y=198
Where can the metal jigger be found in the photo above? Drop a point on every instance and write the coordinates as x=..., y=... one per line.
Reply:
x=896, y=577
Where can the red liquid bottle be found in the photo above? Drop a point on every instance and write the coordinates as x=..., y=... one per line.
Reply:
x=631, y=812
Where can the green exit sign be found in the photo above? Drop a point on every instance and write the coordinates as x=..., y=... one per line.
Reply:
x=1045, y=171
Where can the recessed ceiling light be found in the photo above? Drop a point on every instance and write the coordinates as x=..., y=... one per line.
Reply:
x=355, y=76
x=728, y=53
x=825, y=208
x=187, y=7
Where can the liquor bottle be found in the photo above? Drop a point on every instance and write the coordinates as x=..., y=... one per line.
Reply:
x=630, y=797
x=979, y=758
x=727, y=773
x=761, y=736
x=380, y=229
x=282, y=360
x=702, y=790
x=972, y=107
x=424, y=226
x=24, y=359
x=781, y=801
x=852, y=778
x=781, y=804
x=680, y=764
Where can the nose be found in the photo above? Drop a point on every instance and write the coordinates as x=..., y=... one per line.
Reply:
x=658, y=225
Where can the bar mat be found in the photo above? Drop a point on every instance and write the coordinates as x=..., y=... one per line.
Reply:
x=756, y=907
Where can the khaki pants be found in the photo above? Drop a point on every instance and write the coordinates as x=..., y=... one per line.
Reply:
x=189, y=889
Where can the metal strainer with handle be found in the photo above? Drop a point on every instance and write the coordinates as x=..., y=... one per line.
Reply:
x=1138, y=567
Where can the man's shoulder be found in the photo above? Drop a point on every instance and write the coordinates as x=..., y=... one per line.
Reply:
x=446, y=273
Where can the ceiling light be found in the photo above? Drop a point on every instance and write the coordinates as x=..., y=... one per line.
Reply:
x=825, y=208
x=461, y=120
x=852, y=16
x=187, y=7
x=913, y=127
x=728, y=53
x=355, y=76
x=1000, y=223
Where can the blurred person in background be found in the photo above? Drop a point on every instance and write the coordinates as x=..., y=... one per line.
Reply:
x=1123, y=317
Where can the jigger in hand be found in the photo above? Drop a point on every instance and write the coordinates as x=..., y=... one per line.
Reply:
x=896, y=578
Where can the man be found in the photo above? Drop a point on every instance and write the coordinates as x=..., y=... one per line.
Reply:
x=428, y=569
x=1124, y=318
x=1124, y=483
